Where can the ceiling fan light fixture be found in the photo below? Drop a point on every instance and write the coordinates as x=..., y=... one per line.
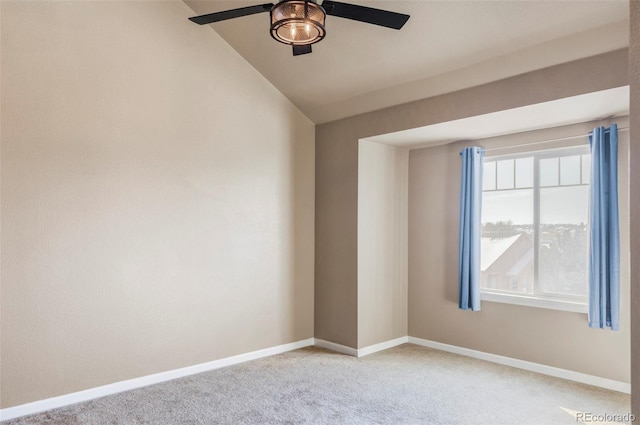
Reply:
x=298, y=22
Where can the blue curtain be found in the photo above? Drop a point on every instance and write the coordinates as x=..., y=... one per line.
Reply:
x=470, y=228
x=604, y=248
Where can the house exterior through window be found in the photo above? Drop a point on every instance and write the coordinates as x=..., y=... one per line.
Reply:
x=535, y=212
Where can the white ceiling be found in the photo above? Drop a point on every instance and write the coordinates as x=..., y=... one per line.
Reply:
x=445, y=46
x=587, y=107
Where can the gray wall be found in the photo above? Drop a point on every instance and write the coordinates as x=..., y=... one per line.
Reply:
x=551, y=337
x=382, y=242
x=336, y=253
x=634, y=81
x=157, y=198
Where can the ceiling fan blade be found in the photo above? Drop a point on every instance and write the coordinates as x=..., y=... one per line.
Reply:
x=365, y=14
x=301, y=50
x=230, y=14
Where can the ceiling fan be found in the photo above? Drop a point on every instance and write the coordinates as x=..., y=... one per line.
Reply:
x=300, y=23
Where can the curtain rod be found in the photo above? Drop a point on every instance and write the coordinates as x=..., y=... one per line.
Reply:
x=546, y=141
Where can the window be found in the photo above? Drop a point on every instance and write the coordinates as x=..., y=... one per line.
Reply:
x=535, y=210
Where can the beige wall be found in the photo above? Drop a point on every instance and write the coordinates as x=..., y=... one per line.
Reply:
x=336, y=243
x=634, y=81
x=382, y=242
x=157, y=198
x=337, y=168
x=550, y=337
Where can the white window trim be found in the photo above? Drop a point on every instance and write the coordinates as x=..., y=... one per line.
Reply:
x=534, y=301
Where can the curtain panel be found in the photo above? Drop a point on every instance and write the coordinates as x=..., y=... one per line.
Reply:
x=470, y=228
x=604, y=230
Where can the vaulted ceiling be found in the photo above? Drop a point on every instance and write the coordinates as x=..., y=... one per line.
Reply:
x=445, y=46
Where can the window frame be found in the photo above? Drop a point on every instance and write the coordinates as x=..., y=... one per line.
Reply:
x=538, y=298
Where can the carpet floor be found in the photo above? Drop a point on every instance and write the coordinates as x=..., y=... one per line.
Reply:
x=407, y=384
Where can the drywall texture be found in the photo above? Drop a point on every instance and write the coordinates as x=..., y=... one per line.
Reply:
x=337, y=168
x=382, y=242
x=157, y=198
x=555, y=338
x=634, y=81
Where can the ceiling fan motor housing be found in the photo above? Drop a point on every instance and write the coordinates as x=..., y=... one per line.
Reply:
x=298, y=22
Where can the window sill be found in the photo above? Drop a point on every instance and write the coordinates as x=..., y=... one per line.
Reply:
x=572, y=306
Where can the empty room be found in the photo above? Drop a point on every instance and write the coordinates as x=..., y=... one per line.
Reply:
x=319, y=212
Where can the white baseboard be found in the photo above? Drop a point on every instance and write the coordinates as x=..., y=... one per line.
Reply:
x=360, y=352
x=570, y=375
x=117, y=387
x=382, y=346
x=336, y=347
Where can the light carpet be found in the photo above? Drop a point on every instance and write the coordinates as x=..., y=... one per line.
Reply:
x=407, y=384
